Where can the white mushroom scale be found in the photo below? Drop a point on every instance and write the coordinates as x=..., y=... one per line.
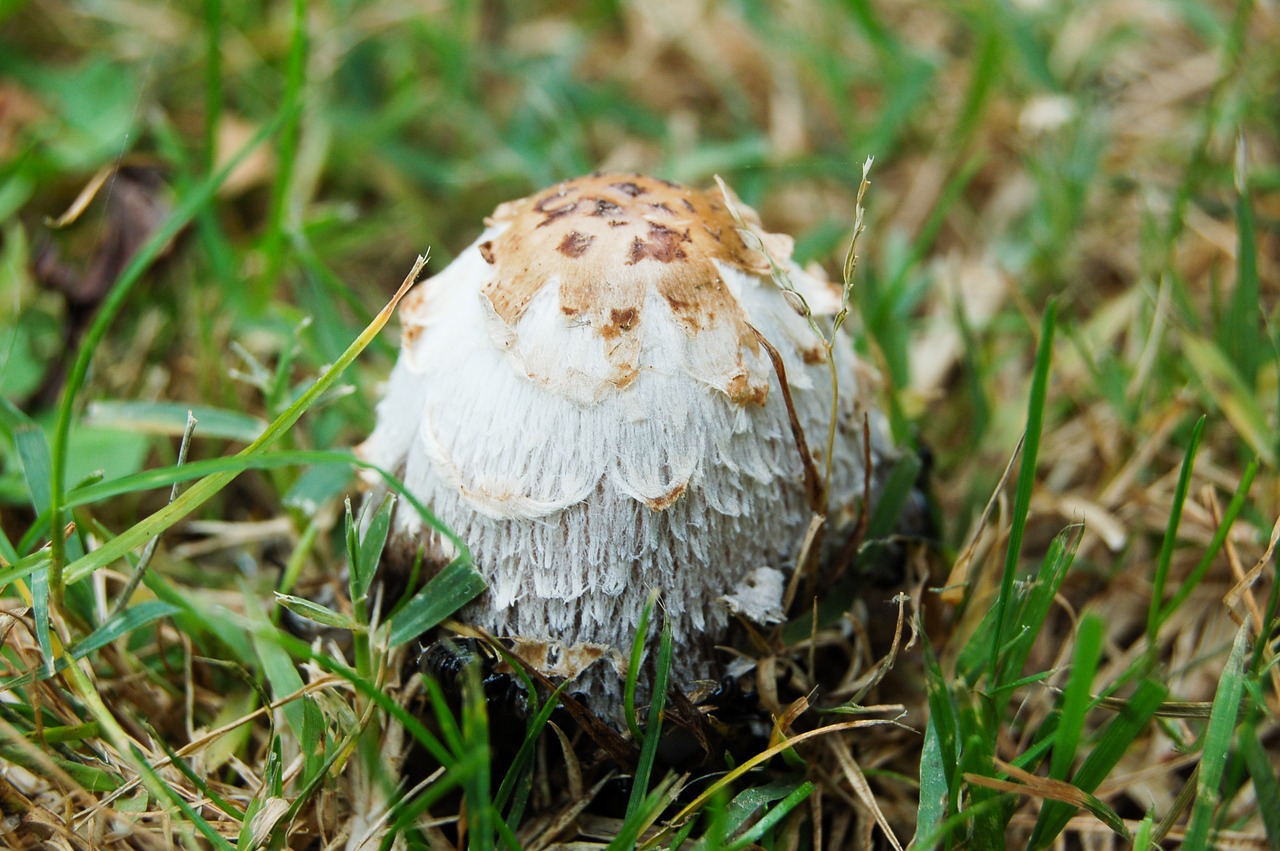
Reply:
x=583, y=396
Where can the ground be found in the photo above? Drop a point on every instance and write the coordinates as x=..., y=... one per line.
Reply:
x=1067, y=283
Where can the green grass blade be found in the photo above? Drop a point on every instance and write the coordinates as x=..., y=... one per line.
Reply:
x=407, y=811
x=989, y=808
x=116, y=627
x=166, y=476
x=91, y=778
x=317, y=486
x=176, y=760
x=1142, y=838
x=276, y=664
x=1217, y=744
x=1030, y=608
x=1239, y=333
x=1075, y=702
x=633, y=670
x=1171, y=535
x=653, y=731
x=33, y=454
x=157, y=782
x=748, y=802
x=312, y=744
x=932, y=807
x=445, y=593
x=771, y=818
x=1120, y=733
x=646, y=813
x=1103, y=813
x=8, y=552
x=1116, y=738
x=316, y=612
x=944, y=717
x=372, y=543
x=302, y=651
x=351, y=529
x=523, y=760
x=1265, y=786
x=1229, y=516
x=481, y=814
x=1075, y=697
x=274, y=242
x=40, y=615
x=205, y=619
x=1026, y=479
x=170, y=418
x=450, y=732
x=122, y=624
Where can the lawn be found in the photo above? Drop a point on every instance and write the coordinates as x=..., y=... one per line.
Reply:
x=1067, y=282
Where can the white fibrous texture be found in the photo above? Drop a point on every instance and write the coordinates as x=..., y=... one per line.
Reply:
x=583, y=397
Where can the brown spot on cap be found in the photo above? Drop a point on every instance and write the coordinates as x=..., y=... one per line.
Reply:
x=814, y=355
x=486, y=251
x=575, y=243
x=628, y=188
x=605, y=207
x=620, y=321
x=663, y=245
x=662, y=503
x=553, y=206
x=623, y=375
x=606, y=241
x=625, y=318
x=743, y=392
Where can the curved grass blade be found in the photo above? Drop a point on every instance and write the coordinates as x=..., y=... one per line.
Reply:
x=1217, y=744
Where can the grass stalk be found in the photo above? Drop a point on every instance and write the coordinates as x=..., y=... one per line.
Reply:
x=1026, y=481
x=199, y=198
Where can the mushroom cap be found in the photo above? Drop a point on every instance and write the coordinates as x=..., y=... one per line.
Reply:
x=583, y=396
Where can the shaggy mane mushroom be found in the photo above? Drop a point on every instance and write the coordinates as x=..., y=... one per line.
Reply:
x=583, y=397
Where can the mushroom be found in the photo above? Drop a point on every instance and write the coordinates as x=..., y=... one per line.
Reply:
x=588, y=396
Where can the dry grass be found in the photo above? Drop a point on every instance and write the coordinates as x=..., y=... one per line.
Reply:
x=1025, y=152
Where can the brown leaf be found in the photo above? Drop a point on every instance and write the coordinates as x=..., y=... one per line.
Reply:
x=135, y=205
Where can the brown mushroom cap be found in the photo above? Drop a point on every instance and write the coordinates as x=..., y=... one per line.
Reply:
x=607, y=239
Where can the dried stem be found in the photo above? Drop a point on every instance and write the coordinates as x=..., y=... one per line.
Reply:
x=145, y=561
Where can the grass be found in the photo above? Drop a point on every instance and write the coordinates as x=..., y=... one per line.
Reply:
x=1068, y=271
